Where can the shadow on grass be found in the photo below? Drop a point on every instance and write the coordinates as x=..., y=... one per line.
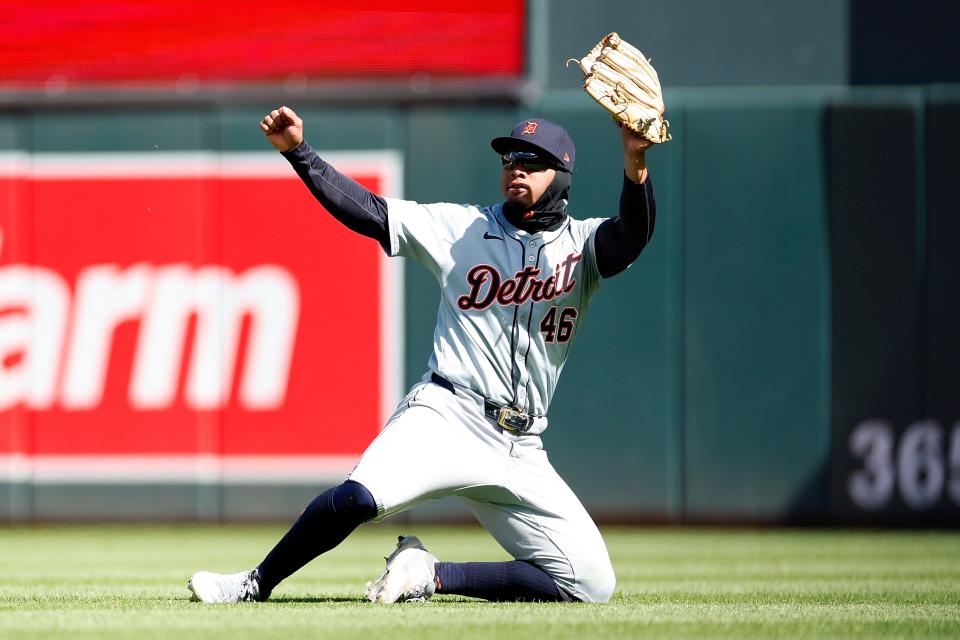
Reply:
x=362, y=600
x=316, y=600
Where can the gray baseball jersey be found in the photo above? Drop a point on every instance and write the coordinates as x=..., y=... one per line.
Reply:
x=511, y=302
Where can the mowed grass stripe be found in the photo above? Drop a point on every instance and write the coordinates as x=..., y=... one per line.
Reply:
x=129, y=582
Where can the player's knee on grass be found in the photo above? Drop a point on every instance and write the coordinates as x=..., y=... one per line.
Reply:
x=599, y=586
x=594, y=581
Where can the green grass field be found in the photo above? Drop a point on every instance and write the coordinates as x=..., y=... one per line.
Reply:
x=129, y=582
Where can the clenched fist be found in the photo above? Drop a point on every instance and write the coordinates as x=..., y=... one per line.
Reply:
x=283, y=128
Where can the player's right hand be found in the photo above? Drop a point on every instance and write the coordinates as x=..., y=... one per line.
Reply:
x=283, y=128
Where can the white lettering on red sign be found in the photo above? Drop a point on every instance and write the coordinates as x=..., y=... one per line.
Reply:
x=54, y=348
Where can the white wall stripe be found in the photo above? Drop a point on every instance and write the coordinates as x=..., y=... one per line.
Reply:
x=195, y=164
x=199, y=469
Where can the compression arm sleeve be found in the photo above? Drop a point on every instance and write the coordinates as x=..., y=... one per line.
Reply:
x=354, y=206
x=620, y=240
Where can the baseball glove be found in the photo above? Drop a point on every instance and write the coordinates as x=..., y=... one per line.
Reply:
x=622, y=80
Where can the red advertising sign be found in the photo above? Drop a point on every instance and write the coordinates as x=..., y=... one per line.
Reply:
x=171, y=315
x=65, y=43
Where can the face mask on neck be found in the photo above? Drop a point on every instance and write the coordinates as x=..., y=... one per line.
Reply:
x=548, y=212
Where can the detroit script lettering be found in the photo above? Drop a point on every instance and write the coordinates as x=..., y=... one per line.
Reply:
x=488, y=286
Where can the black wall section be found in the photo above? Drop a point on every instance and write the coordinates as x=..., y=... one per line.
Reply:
x=894, y=42
x=943, y=268
x=876, y=299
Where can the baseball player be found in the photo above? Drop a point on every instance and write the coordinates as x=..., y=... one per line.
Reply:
x=516, y=280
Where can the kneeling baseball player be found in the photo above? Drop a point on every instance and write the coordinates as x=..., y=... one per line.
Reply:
x=516, y=280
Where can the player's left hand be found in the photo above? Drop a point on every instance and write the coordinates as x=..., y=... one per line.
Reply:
x=633, y=142
x=634, y=153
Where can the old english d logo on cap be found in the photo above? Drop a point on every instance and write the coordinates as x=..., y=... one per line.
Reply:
x=542, y=134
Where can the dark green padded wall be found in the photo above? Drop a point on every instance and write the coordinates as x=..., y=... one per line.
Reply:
x=148, y=129
x=707, y=380
x=756, y=345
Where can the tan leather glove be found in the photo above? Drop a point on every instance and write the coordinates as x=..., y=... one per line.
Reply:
x=623, y=81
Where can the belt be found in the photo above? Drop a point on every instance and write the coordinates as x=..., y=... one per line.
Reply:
x=507, y=417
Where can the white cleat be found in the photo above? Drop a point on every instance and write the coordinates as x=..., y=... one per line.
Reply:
x=409, y=576
x=219, y=588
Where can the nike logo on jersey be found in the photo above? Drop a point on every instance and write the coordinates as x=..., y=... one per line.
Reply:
x=488, y=286
x=487, y=236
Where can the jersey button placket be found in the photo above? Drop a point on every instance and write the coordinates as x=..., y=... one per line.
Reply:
x=524, y=342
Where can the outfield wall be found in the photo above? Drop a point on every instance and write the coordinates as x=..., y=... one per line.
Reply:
x=182, y=338
x=785, y=350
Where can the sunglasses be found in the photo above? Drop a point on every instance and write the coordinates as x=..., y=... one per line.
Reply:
x=531, y=161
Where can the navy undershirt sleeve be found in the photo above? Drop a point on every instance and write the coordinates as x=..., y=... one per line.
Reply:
x=620, y=240
x=354, y=206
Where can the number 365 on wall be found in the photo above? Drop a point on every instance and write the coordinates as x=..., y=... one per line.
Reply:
x=922, y=465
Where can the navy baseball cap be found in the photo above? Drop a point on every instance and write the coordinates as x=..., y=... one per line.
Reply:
x=542, y=134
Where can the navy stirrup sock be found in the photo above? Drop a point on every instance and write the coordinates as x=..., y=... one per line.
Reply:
x=498, y=581
x=324, y=524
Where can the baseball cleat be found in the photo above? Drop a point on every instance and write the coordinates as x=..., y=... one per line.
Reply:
x=219, y=588
x=409, y=576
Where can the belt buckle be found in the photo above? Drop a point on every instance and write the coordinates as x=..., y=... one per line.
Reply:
x=513, y=420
